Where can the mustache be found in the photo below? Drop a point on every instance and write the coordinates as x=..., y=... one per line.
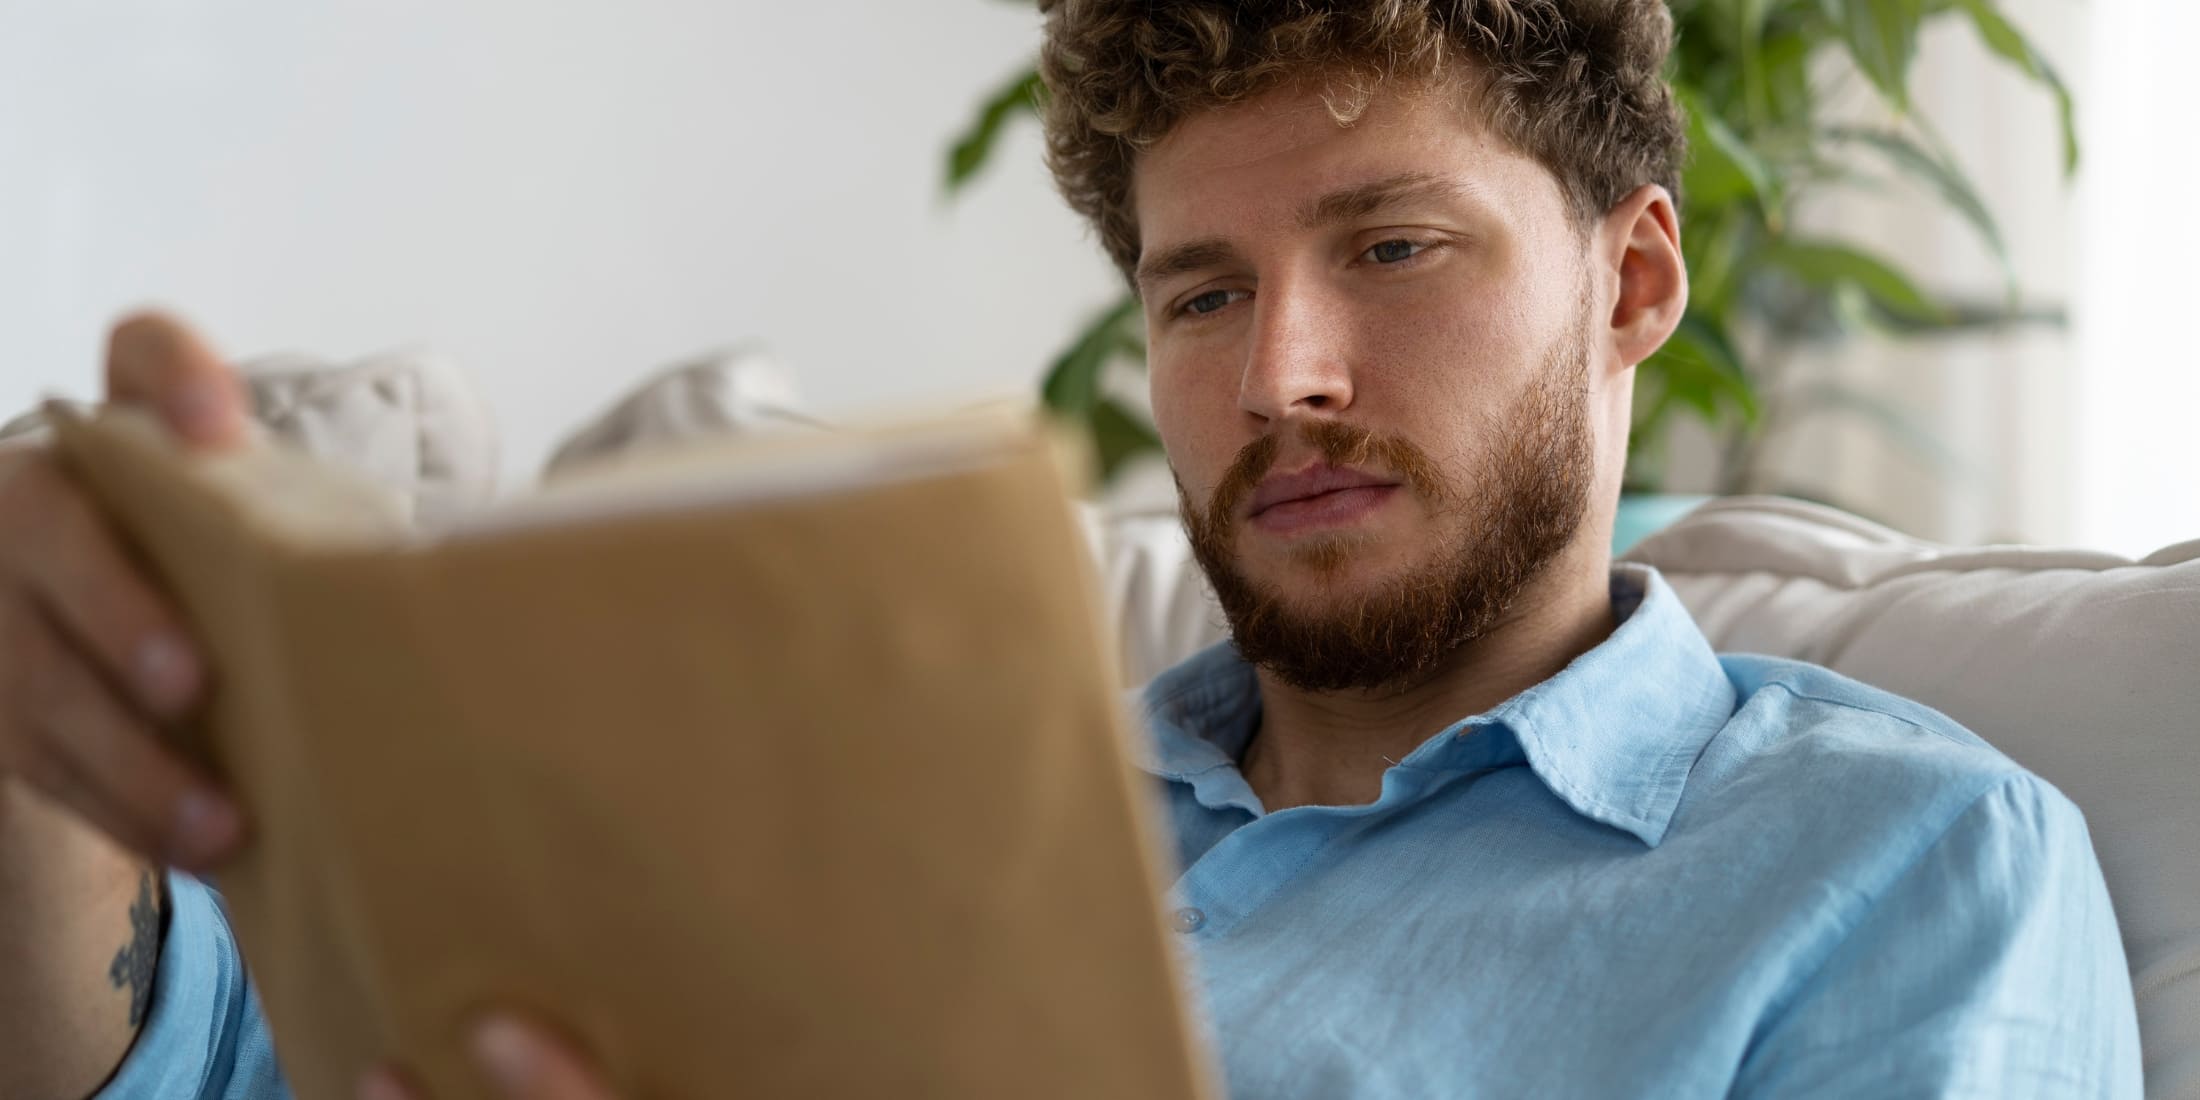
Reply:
x=1339, y=444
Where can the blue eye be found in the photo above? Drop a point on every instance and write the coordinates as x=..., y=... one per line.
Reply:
x=1390, y=252
x=1208, y=302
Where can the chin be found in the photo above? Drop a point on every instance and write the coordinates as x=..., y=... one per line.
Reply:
x=1333, y=564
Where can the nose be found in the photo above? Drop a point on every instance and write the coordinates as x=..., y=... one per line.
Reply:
x=1296, y=362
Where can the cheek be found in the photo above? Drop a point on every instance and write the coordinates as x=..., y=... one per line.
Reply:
x=1191, y=415
x=1438, y=360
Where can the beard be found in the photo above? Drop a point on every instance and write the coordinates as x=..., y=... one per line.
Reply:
x=1497, y=538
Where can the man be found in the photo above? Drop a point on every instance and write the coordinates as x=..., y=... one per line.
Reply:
x=1464, y=810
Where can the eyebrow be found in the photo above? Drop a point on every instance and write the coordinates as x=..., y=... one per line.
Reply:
x=1362, y=200
x=1343, y=205
x=1177, y=259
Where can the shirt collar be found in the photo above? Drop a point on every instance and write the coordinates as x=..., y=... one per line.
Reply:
x=1613, y=734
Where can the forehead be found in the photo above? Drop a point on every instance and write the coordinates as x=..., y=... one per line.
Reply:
x=1233, y=169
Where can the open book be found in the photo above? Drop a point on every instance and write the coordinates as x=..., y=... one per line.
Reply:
x=790, y=769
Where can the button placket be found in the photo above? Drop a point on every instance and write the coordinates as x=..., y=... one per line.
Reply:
x=1243, y=870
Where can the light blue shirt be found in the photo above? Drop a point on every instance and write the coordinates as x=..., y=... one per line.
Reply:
x=1658, y=873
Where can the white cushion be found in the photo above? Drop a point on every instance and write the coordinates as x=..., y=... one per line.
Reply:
x=410, y=421
x=1158, y=600
x=738, y=391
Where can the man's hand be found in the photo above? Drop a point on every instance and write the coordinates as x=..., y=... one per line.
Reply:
x=519, y=1060
x=93, y=658
x=92, y=654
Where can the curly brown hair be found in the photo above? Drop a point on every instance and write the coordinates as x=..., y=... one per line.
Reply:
x=1576, y=84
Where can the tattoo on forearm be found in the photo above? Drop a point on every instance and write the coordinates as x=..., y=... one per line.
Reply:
x=133, y=965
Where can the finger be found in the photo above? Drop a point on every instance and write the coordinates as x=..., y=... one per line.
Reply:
x=525, y=1063
x=82, y=579
x=50, y=779
x=386, y=1083
x=157, y=361
x=112, y=768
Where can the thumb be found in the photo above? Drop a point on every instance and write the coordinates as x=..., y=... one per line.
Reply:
x=158, y=362
x=527, y=1064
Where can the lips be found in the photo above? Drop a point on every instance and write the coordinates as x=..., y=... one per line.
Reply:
x=1314, y=481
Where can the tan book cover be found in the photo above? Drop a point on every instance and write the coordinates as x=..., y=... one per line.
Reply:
x=791, y=769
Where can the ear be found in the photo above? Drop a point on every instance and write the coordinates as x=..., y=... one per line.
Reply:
x=1640, y=243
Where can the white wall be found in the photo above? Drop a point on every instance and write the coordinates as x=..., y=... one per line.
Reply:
x=2138, y=390
x=559, y=195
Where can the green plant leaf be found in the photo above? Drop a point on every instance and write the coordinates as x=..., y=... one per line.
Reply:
x=2003, y=37
x=1944, y=177
x=1785, y=63
x=1721, y=166
x=1829, y=265
x=1646, y=445
x=1749, y=33
x=975, y=145
x=1130, y=342
x=1699, y=367
x=1714, y=244
x=1072, y=384
x=1881, y=36
x=1961, y=317
x=1118, y=436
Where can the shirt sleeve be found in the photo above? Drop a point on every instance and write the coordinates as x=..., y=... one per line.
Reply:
x=203, y=1037
x=1992, y=968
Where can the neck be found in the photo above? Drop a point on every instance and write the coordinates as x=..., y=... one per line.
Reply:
x=1332, y=748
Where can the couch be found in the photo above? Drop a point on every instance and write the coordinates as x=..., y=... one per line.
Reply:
x=2084, y=667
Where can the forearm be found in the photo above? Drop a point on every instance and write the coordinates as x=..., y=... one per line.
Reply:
x=79, y=934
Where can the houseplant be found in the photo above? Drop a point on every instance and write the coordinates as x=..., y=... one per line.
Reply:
x=1754, y=77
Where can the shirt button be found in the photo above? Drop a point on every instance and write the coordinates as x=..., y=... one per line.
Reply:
x=1187, y=919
